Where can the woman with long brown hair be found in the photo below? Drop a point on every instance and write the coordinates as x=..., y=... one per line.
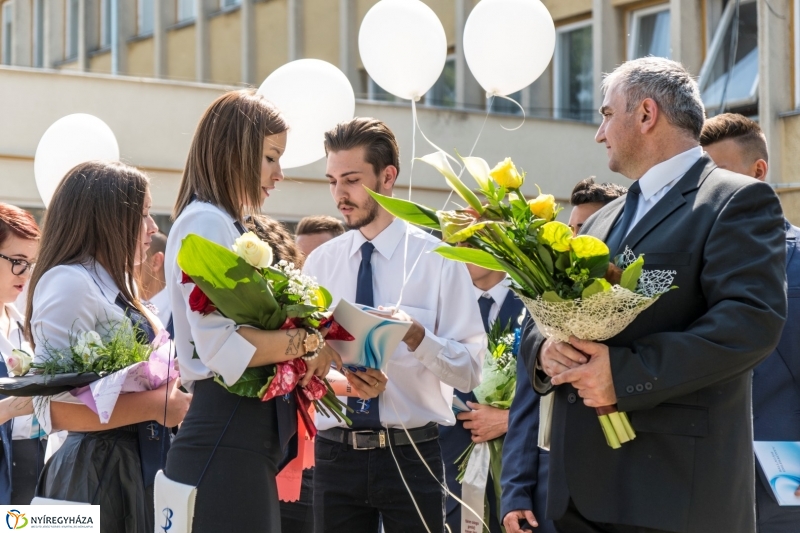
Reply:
x=231, y=447
x=96, y=230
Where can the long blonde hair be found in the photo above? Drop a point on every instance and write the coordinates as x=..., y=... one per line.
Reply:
x=224, y=162
x=96, y=213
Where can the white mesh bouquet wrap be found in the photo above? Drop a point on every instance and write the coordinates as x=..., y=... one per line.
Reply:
x=602, y=315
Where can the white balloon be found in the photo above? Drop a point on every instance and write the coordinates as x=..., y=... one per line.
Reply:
x=313, y=96
x=508, y=43
x=403, y=47
x=68, y=142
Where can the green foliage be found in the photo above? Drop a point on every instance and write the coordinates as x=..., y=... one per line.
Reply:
x=251, y=382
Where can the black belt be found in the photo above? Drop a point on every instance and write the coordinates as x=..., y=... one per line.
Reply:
x=369, y=439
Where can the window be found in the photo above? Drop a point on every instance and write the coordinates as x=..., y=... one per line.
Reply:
x=729, y=77
x=377, y=93
x=38, y=33
x=648, y=31
x=185, y=10
x=72, y=29
x=146, y=16
x=224, y=4
x=443, y=92
x=8, y=31
x=105, y=24
x=501, y=105
x=573, y=76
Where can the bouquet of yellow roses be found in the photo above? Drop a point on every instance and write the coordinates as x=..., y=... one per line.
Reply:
x=569, y=284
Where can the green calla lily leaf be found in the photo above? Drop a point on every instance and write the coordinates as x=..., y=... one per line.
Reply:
x=470, y=255
x=631, y=274
x=408, y=211
x=547, y=259
x=438, y=160
x=597, y=286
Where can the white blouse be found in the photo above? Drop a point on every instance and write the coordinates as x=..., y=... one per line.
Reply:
x=70, y=299
x=219, y=347
x=23, y=427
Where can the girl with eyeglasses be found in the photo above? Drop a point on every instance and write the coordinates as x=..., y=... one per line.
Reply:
x=97, y=230
x=22, y=448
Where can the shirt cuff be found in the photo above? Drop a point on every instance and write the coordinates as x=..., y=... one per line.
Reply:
x=429, y=349
x=237, y=355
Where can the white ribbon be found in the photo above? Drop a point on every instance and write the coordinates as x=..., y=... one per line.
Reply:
x=545, y=420
x=473, y=488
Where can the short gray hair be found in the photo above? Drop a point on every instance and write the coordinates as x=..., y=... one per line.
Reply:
x=668, y=83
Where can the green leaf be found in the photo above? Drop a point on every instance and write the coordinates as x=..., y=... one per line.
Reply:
x=546, y=258
x=237, y=289
x=556, y=235
x=251, y=382
x=299, y=310
x=631, y=275
x=597, y=286
x=438, y=160
x=563, y=262
x=408, y=211
x=551, y=296
x=470, y=255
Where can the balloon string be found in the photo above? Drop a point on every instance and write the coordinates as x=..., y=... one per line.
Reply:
x=516, y=104
x=407, y=275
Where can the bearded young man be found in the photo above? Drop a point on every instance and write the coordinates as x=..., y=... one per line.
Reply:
x=682, y=369
x=357, y=480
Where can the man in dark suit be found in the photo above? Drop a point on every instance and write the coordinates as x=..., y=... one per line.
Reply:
x=682, y=369
x=525, y=465
x=737, y=143
x=484, y=422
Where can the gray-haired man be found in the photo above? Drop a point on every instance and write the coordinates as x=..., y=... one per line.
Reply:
x=682, y=369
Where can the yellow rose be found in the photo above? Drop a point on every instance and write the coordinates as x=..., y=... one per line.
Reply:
x=506, y=175
x=543, y=206
x=256, y=252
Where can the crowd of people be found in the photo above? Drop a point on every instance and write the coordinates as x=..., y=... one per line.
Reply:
x=703, y=373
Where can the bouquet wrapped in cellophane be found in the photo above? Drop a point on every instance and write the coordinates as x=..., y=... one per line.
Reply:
x=569, y=284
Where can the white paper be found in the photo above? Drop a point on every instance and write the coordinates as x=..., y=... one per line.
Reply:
x=781, y=464
x=459, y=406
x=376, y=337
x=473, y=488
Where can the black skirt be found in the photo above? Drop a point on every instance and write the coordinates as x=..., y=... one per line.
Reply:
x=27, y=463
x=102, y=468
x=238, y=490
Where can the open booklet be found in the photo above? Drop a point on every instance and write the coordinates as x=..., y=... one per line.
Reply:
x=376, y=335
x=780, y=462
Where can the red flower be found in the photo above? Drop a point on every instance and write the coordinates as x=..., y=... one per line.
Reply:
x=199, y=302
x=185, y=278
x=315, y=389
x=287, y=375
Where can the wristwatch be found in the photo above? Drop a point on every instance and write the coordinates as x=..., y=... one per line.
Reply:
x=312, y=344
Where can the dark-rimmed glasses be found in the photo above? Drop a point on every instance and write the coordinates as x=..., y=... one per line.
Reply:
x=18, y=266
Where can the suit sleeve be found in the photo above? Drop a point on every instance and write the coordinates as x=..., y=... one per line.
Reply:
x=743, y=280
x=520, y=452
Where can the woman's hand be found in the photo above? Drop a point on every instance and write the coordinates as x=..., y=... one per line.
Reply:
x=177, y=403
x=367, y=384
x=319, y=365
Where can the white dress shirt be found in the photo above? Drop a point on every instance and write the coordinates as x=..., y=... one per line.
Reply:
x=22, y=426
x=438, y=294
x=657, y=181
x=219, y=347
x=161, y=303
x=68, y=300
x=498, y=293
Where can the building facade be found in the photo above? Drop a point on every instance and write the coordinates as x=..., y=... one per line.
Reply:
x=150, y=67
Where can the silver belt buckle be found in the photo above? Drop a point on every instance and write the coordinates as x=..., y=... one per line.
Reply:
x=354, y=439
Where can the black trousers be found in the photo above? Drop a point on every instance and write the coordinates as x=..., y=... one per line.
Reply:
x=27, y=464
x=574, y=522
x=298, y=517
x=355, y=489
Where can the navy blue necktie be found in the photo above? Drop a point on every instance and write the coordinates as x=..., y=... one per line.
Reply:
x=365, y=415
x=485, y=302
x=619, y=231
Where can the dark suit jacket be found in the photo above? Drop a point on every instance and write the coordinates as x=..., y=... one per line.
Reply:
x=455, y=439
x=525, y=465
x=682, y=368
x=5, y=450
x=776, y=389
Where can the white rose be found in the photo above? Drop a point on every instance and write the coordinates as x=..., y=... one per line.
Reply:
x=18, y=363
x=92, y=338
x=253, y=250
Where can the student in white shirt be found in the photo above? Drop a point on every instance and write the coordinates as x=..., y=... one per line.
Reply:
x=152, y=282
x=22, y=450
x=232, y=167
x=97, y=229
x=356, y=481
